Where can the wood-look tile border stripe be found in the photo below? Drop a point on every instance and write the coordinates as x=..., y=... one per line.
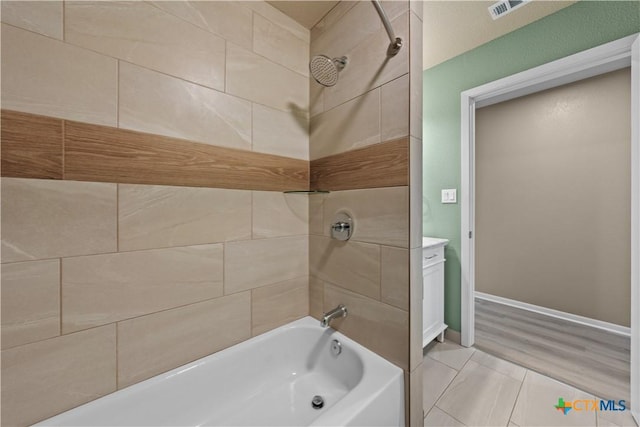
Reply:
x=380, y=165
x=35, y=146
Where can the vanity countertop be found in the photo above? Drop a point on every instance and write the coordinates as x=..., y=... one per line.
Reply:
x=432, y=242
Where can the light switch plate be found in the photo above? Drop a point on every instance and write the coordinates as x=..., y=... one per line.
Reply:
x=449, y=196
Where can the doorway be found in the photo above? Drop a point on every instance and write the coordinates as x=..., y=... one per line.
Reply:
x=609, y=57
x=552, y=246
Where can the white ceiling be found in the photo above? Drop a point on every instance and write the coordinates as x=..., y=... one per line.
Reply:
x=451, y=27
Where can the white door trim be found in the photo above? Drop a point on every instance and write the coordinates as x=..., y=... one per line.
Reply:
x=598, y=60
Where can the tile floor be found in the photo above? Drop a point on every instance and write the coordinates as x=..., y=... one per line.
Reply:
x=467, y=387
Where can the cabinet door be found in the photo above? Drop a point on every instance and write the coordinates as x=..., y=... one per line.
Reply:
x=433, y=300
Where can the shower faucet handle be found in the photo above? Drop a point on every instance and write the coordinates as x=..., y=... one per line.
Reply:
x=342, y=226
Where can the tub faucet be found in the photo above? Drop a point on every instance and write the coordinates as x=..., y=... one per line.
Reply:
x=339, y=311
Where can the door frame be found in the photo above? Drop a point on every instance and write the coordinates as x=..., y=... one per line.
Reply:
x=608, y=57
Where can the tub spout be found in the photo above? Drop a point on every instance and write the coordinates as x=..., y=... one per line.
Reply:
x=339, y=311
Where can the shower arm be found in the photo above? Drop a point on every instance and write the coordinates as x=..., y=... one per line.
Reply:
x=395, y=42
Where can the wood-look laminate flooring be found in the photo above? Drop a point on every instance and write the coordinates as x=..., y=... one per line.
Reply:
x=587, y=358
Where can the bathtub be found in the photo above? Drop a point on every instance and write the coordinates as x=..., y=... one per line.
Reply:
x=269, y=380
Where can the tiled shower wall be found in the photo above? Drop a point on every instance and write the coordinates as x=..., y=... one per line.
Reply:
x=106, y=284
x=93, y=302
x=377, y=99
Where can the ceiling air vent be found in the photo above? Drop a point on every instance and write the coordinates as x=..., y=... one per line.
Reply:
x=502, y=8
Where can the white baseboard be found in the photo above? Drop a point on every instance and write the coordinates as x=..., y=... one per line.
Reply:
x=451, y=335
x=599, y=324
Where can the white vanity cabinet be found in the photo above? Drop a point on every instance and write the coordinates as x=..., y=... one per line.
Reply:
x=433, y=289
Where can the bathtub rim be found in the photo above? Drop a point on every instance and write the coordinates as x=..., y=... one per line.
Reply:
x=378, y=375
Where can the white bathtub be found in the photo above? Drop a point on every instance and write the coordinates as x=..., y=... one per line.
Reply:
x=268, y=380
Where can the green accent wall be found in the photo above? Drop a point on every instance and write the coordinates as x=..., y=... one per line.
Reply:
x=581, y=26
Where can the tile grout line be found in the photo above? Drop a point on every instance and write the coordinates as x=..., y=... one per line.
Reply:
x=251, y=128
x=358, y=294
x=226, y=72
x=501, y=359
x=325, y=110
x=251, y=312
x=221, y=36
x=60, y=296
x=252, y=217
x=380, y=286
x=64, y=137
x=156, y=249
x=116, y=322
x=118, y=94
x=117, y=218
x=224, y=270
x=515, y=402
x=64, y=21
x=446, y=388
x=117, y=361
x=435, y=404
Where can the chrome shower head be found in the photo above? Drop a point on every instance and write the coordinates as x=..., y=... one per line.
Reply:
x=325, y=70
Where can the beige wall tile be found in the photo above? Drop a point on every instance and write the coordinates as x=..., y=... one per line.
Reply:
x=56, y=79
x=228, y=19
x=274, y=15
x=280, y=45
x=276, y=305
x=45, y=378
x=377, y=326
x=145, y=35
x=30, y=302
x=43, y=17
x=159, y=342
x=316, y=97
x=351, y=265
x=101, y=289
x=395, y=8
x=351, y=125
x=343, y=28
x=416, y=291
x=153, y=216
x=329, y=20
x=281, y=133
x=394, y=109
x=254, y=263
x=369, y=66
x=277, y=214
x=157, y=103
x=253, y=77
x=51, y=219
x=380, y=214
x=416, y=411
x=394, y=276
x=415, y=67
x=416, y=7
x=316, y=297
x=415, y=193
x=316, y=206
